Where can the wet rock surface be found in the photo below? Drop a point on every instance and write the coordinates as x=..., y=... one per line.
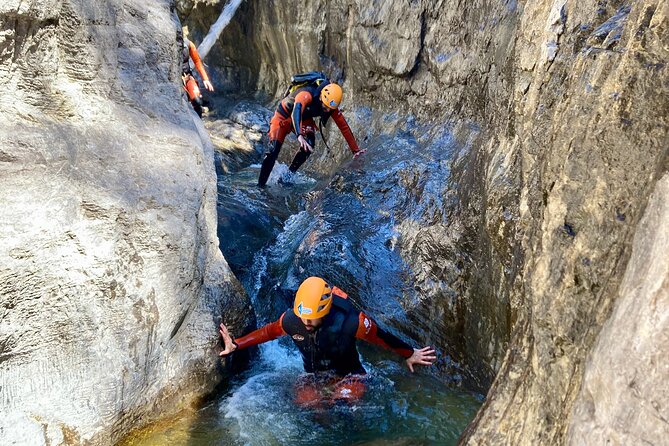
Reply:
x=238, y=130
x=564, y=107
x=591, y=134
x=110, y=275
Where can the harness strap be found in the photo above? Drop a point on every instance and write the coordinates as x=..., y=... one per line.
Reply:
x=320, y=130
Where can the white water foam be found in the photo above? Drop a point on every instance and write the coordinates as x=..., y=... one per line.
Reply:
x=281, y=174
x=262, y=407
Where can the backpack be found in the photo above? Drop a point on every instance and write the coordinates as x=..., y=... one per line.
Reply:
x=311, y=78
x=308, y=79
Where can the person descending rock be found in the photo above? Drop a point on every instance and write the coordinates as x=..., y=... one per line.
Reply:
x=310, y=95
x=324, y=326
x=191, y=58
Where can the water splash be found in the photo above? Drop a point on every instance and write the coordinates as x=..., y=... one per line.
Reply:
x=261, y=410
x=218, y=27
x=282, y=175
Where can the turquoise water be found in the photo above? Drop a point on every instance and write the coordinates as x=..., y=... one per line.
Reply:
x=259, y=409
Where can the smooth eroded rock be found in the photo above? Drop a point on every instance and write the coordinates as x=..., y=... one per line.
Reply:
x=111, y=280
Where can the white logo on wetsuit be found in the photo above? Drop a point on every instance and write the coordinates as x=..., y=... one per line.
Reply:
x=368, y=325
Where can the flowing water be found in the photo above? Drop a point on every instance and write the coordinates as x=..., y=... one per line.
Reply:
x=345, y=229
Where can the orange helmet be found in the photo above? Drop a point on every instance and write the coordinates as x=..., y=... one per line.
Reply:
x=313, y=299
x=331, y=96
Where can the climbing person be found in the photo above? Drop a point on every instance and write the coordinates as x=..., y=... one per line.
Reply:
x=310, y=95
x=190, y=58
x=324, y=326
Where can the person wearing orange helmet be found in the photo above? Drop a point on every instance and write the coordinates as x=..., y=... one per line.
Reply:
x=324, y=326
x=296, y=113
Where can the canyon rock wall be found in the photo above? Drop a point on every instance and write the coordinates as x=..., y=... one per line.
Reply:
x=409, y=54
x=562, y=106
x=111, y=280
x=590, y=128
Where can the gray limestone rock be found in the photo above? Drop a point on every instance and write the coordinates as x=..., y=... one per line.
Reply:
x=238, y=132
x=111, y=280
x=591, y=133
x=624, y=397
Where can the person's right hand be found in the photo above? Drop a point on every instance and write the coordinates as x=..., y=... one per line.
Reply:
x=304, y=145
x=227, y=341
x=208, y=86
x=359, y=152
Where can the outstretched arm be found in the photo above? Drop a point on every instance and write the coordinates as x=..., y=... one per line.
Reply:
x=199, y=66
x=263, y=334
x=346, y=132
x=370, y=332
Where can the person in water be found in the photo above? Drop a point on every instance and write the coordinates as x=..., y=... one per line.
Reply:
x=296, y=113
x=324, y=326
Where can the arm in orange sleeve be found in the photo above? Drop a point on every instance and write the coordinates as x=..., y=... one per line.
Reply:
x=302, y=99
x=197, y=61
x=345, y=130
x=370, y=332
x=267, y=333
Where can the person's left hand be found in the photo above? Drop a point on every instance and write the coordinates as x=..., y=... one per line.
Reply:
x=359, y=152
x=304, y=144
x=208, y=86
x=423, y=356
x=228, y=343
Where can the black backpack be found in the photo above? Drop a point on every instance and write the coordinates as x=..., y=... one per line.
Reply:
x=311, y=78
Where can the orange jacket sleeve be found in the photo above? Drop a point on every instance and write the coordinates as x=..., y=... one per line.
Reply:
x=345, y=130
x=302, y=99
x=197, y=61
x=263, y=334
x=370, y=332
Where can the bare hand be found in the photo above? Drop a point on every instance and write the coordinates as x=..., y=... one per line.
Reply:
x=227, y=341
x=423, y=356
x=208, y=86
x=359, y=152
x=304, y=145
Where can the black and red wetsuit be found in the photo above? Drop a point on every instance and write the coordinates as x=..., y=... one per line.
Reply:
x=190, y=53
x=296, y=113
x=189, y=82
x=331, y=347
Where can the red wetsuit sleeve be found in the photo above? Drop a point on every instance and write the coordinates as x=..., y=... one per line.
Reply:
x=302, y=99
x=197, y=61
x=345, y=130
x=263, y=334
x=370, y=332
